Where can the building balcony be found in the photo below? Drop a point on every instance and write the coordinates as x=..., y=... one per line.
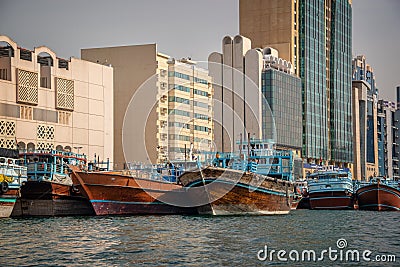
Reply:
x=395, y=159
x=163, y=111
x=163, y=98
x=163, y=136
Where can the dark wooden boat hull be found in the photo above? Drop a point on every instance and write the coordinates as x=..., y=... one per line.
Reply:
x=333, y=200
x=114, y=194
x=378, y=197
x=7, y=202
x=240, y=195
x=304, y=203
x=51, y=199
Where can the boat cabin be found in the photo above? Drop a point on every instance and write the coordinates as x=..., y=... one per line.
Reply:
x=51, y=165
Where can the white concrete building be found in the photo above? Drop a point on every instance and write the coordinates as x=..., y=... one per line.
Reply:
x=51, y=103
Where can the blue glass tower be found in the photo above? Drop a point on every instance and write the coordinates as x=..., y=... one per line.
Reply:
x=325, y=70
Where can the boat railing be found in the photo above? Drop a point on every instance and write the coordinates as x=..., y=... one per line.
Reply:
x=13, y=173
x=159, y=172
x=39, y=170
x=328, y=180
x=53, y=152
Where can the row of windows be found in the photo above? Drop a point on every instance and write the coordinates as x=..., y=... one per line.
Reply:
x=179, y=112
x=187, y=126
x=200, y=92
x=200, y=116
x=202, y=128
x=187, y=101
x=178, y=75
x=179, y=125
x=179, y=137
x=178, y=99
x=186, y=77
x=198, y=80
x=179, y=87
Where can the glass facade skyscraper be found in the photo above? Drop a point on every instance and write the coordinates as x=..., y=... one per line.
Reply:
x=283, y=94
x=325, y=70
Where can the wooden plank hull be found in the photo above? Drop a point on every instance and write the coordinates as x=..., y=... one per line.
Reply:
x=51, y=199
x=236, y=193
x=114, y=194
x=304, y=203
x=333, y=200
x=378, y=197
x=242, y=200
x=7, y=202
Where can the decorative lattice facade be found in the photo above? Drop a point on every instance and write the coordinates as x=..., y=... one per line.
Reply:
x=7, y=134
x=27, y=87
x=45, y=137
x=45, y=132
x=65, y=94
x=45, y=146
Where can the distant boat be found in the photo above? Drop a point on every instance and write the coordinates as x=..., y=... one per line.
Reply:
x=330, y=188
x=379, y=194
x=49, y=190
x=130, y=192
x=12, y=175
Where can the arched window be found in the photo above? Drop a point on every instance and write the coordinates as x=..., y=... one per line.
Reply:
x=30, y=147
x=6, y=53
x=67, y=149
x=21, y=146
x=46, y=62
x=59, y=148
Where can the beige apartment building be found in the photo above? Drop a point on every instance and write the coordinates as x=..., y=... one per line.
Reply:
x=48, y=102
x=190, y=122
x=179, y=95
x=272, y=23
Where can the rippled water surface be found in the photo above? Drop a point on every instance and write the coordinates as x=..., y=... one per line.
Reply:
x=193, y=240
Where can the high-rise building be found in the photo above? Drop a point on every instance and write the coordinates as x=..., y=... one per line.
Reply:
x=272, y=23
x=318, y=33
x=388, y=132
x=161, y=95
x=396, y=144
x=47, y=102
x=256, y=92
x=190, y=110
x=398, y=96
x=365, y=135
x=282, y=90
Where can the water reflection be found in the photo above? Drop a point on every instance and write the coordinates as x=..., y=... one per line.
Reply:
x=190, y=241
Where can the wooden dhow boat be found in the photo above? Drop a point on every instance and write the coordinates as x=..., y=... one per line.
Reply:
x=330, y=188
x=130, y=192
x=379, y=194
x=234, y=192
x=49, y=190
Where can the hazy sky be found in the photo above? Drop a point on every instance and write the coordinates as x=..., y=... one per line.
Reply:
x=182, y=28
